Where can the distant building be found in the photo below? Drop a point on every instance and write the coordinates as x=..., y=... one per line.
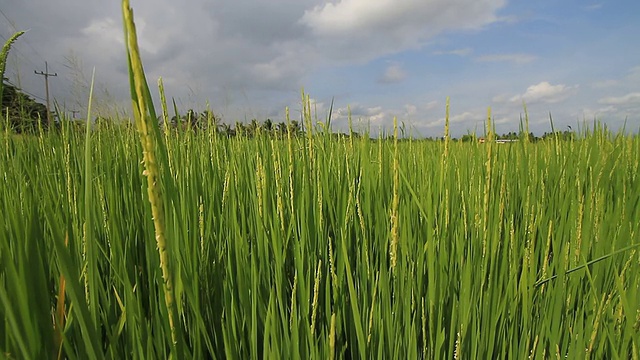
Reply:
x=498, y=141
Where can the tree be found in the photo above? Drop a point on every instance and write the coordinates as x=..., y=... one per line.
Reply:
x=25, y=114
x=468, y=137
x=191, y=120
x=225, y=129
x=295, y=128
x=253, y=128
x=268, y=125
x=209, y=119
x=240, y=129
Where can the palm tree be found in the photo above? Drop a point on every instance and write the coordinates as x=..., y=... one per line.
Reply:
x=240, y=129
x=209, y=120
x=225, y=129
x=295, y=128
x=268, y=126
x=253, y=128
x=281, y=129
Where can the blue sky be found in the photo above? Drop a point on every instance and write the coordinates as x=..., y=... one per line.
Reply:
x=578, y=60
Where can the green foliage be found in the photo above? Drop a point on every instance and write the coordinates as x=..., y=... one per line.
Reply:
x=23, y=113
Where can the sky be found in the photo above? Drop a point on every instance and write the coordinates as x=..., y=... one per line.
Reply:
x=578, y=61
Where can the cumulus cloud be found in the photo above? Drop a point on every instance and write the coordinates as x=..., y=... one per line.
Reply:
x=589, y=113
x=362, y=29
x=500, y=98
x=628, y=99
x=393, y=74
x=431, y=105
x=466, y=117
x=603, y=84
x=410, y=109
x=513, y=58
x=593, y=7
x=544, y=92
x=107, y=29
x=457, y=52
x=363, y=117
x=634, y=73
x=348, y=16
x=231, y=51
x=358, y=110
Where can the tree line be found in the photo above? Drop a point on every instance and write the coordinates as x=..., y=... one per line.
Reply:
x=24, y=115
x=207, y=120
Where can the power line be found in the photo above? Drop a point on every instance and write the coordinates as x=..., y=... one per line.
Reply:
x=11, y=24
x=22, y=57
x=26, y=92
x=15, y=49
x=9, y=21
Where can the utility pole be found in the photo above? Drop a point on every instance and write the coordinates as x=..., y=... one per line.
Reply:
x=46, y=85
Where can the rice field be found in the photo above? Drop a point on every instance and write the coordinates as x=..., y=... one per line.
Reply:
x=317, y=247
x=142, y=243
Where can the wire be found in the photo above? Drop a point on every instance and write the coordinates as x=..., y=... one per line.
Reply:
x=24, y=91
x=22, y=40
x=21, y=55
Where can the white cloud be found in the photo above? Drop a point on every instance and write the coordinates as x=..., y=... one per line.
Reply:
x=544, y=92
x=628, y=99
x=235, y=51
x=363, y=117
x=514, y=58
x=352, y=15
x=509, y=19
x=410, y=109
x=500, y=98
x=603, y=84
x=590, y=114
x=634, y=73
x=466, y=116
x=393, y=74
x=502, y=120
x=359, y=110
x=431, y=105
x=106, y=28
x=593, y=7
x=457, y=52
x=364, y=29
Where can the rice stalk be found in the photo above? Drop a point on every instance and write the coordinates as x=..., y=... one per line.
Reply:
x=142, y=109
x=90, y=255
x=395, y=203
x=3, y=57
x=316, y=291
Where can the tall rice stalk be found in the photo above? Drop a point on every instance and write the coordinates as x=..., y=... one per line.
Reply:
x=144, y=115
x=3, y=57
